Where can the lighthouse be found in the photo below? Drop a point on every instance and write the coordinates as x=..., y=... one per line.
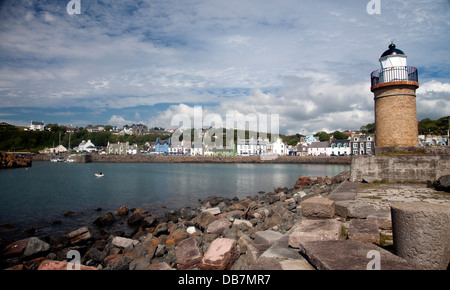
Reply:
x=394, y=87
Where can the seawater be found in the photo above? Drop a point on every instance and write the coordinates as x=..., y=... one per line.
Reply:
x=41, y=194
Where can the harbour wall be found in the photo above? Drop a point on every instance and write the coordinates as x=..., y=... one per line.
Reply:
x=399, y=168
x=96, y=158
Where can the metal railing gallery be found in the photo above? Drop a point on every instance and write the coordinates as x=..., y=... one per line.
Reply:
x=393, y=74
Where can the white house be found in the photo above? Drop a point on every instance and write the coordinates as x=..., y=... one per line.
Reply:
x=248, y=147
x=133, y=149
x=180, y=148
x=339, y=148
x=85, y=146
x=318, y=148
x=197, y=148
x=56, y=150
x=37, y=126
x=277, y=148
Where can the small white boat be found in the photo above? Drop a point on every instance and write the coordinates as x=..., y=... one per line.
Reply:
x=99, y=174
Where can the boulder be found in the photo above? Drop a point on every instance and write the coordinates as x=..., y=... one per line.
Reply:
x=341, y=177
x=353, y=209
x=212, y=210
x=140, y=211
x=218, y=226
x=123, y=242
x=351, y=255
x=15, y=249
x=221, y=255
x=383, y=218
x=318, y=207
x=135, y=219
x=176, y=237
x=364, y=231
x=242, y=224
x=188, y=254
x=267, y=238
x=149, y=221
x=443, y=183
x=96, y=255
x=122, y=211
x=105, y=220
x=79, y=236
x=118, y=261
x=314, y=230
x=275, y=256
x=139, y=264
x=146, y=248
x=203, y=219
x=35, y=246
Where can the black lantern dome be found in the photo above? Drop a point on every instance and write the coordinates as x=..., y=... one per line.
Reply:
x=392, y=51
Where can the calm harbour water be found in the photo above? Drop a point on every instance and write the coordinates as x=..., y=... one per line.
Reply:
x=41, y=194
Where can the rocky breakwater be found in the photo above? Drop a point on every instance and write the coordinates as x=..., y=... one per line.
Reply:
x=219, y=233
x=14, y=160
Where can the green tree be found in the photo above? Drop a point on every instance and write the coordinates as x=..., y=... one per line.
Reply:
x=339, y=135
x=368, y=129
x=323, y=136
x=435, y=127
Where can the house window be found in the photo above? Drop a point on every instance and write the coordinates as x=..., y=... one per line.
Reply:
x=355, y=145
x=368, y=145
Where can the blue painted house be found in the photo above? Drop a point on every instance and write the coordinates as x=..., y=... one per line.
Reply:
x=162, y=146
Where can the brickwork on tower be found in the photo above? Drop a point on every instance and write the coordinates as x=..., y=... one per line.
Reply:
x=396, y=114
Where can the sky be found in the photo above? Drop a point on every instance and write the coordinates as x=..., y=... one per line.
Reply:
x=125, y=62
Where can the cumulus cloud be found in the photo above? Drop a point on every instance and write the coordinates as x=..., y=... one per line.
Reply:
x=308, y=61
x=119, y=121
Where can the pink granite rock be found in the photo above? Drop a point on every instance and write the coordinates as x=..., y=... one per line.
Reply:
x=221, y=255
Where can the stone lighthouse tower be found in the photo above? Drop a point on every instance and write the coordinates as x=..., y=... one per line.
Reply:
x=394, y=88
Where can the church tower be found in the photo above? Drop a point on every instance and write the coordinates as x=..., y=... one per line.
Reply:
x=394, y=87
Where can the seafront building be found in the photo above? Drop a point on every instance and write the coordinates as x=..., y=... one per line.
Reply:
x=339, y=148
x=36, y=126
x=362, y=144
x=85, y=146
